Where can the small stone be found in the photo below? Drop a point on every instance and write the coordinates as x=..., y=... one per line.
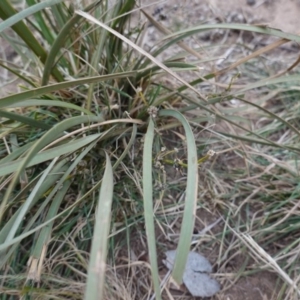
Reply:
x=196, y=275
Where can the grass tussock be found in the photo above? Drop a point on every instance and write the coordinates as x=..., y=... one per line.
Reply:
x=111, y=154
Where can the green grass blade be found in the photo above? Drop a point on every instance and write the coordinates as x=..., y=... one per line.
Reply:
x=6, y=12
x=17, y=73
x=246, y=27
x=25, y=120
x=96, y=273
x=51, y=135
x=128, y=147
x=148, y=206
x=58, y=169
x=58, y=86
x=10, y=167
x=59, y=15
x=59, y=42
x=190, y=199
x=5, y=245
x=142, y=51
x=267, y=82
x=57, y=103
x=273, y=116
x=22, y=236
x=28, y=202
x=44, y=236
x=16, y=153
x=26, y=13
x=44, y=29
x=229, y=120
x=127, y=7
x=178, y=66
x=94, y=64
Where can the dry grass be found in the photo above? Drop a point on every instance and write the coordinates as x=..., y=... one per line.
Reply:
x=247, y=214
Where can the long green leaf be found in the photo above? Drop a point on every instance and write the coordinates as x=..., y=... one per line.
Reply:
x=10, y=167
x=26, y=13
x=58, y=170
x=28, y=201
x=42, y=102
x=273, y=116
x=25, y=120
x=246, y=27
x=45, y=233
x=96, y=274
x=6, y=12
x=59, y=42
x=96, y=57
x=148, y=206
x=11, y=99
x=16, y=153
x=190, y=199
x=128, y=147
x=16, y=72
x=43, y=28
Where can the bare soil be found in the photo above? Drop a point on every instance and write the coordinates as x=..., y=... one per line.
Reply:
x=279, y=14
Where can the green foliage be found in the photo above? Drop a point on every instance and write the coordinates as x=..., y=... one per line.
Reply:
x=90, y=87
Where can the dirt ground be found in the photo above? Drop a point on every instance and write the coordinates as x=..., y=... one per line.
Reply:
x=281, y=14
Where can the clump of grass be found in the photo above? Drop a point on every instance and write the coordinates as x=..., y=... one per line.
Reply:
x=85, y=156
